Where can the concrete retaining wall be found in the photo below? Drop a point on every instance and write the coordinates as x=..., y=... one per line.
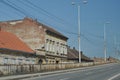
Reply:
x=33, y=68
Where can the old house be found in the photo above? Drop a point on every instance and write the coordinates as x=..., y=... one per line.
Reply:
x=98, y=59
x=73, y=56
x=50, y=45
x=14, y=51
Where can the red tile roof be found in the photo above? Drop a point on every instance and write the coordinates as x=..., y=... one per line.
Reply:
x=11, y=41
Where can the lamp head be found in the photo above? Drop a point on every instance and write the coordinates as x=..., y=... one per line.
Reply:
x=73, y=3
x=85, y=2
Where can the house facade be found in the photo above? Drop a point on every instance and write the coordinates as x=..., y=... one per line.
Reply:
x=50, y=45
x=14, y=51
x=56, y=47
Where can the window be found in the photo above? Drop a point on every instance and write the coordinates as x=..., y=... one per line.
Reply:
x=5, y=61
x=33, y=61
x=53, y=46
x=27, y=61
x=50, y=45
x=57, y=47
x=47, y=45
x=19, y=61
x=13, y=61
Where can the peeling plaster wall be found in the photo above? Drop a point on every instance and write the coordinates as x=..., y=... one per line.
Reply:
x=28, y=31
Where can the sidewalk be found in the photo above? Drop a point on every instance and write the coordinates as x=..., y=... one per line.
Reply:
x=17, y=77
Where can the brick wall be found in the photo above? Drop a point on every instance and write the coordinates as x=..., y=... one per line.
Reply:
x=27, y=30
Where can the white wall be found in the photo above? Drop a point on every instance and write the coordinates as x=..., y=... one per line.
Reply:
x=55, y=45
x=10, y=59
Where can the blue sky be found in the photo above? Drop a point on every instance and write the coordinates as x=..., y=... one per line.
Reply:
x=62, y=16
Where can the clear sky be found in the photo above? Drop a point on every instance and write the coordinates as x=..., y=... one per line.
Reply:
x=62, y=16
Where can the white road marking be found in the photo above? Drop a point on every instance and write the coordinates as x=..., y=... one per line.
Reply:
x=102, y=70
x=111, y=68
x=64, y=79
x=88, y=73
x=113, y=77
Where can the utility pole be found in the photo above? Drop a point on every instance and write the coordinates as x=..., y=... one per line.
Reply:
x=79, y=34
x=115, y=46
x=105, y=50
x=79, y=44
x=79, y=41
x=105, y=42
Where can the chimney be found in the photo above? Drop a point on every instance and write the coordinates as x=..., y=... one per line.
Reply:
x=0, y=28
x=68, y=46
x=81, y=52
x=74, y=48
x=36, y=20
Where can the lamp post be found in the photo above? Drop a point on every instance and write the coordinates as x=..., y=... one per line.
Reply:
x=79, y=46
x=105, y=44
x=79, y=34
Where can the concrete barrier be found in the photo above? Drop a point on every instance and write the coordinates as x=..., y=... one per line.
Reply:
x=32, y=68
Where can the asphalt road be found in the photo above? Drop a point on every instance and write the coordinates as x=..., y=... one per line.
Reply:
x=104, y=72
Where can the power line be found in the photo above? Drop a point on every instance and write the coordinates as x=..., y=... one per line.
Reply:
x=26, y=14
x=33, y=8
x=48, y=13
x=51, y=16
x=13, y=7
x=84, y=37
x=94, y=35
x=92, y=42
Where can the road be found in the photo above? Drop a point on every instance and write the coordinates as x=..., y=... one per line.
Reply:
x=103, y=72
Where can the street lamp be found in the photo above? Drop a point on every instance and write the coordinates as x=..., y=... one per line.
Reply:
x=105, y=44
x=73, y=3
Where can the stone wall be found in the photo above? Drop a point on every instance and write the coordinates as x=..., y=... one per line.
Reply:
x=33, y=68
x=11, y=58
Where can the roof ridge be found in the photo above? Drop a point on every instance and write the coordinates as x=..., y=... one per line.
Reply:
x=12, y=20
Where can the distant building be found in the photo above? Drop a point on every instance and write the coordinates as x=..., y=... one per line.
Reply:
x=73, y=56
x=97, y=59
x=109, y=59
x=49, y=44
x=112, y=59
x=14, y=51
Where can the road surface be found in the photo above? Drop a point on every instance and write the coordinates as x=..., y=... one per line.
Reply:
x=103, y=72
